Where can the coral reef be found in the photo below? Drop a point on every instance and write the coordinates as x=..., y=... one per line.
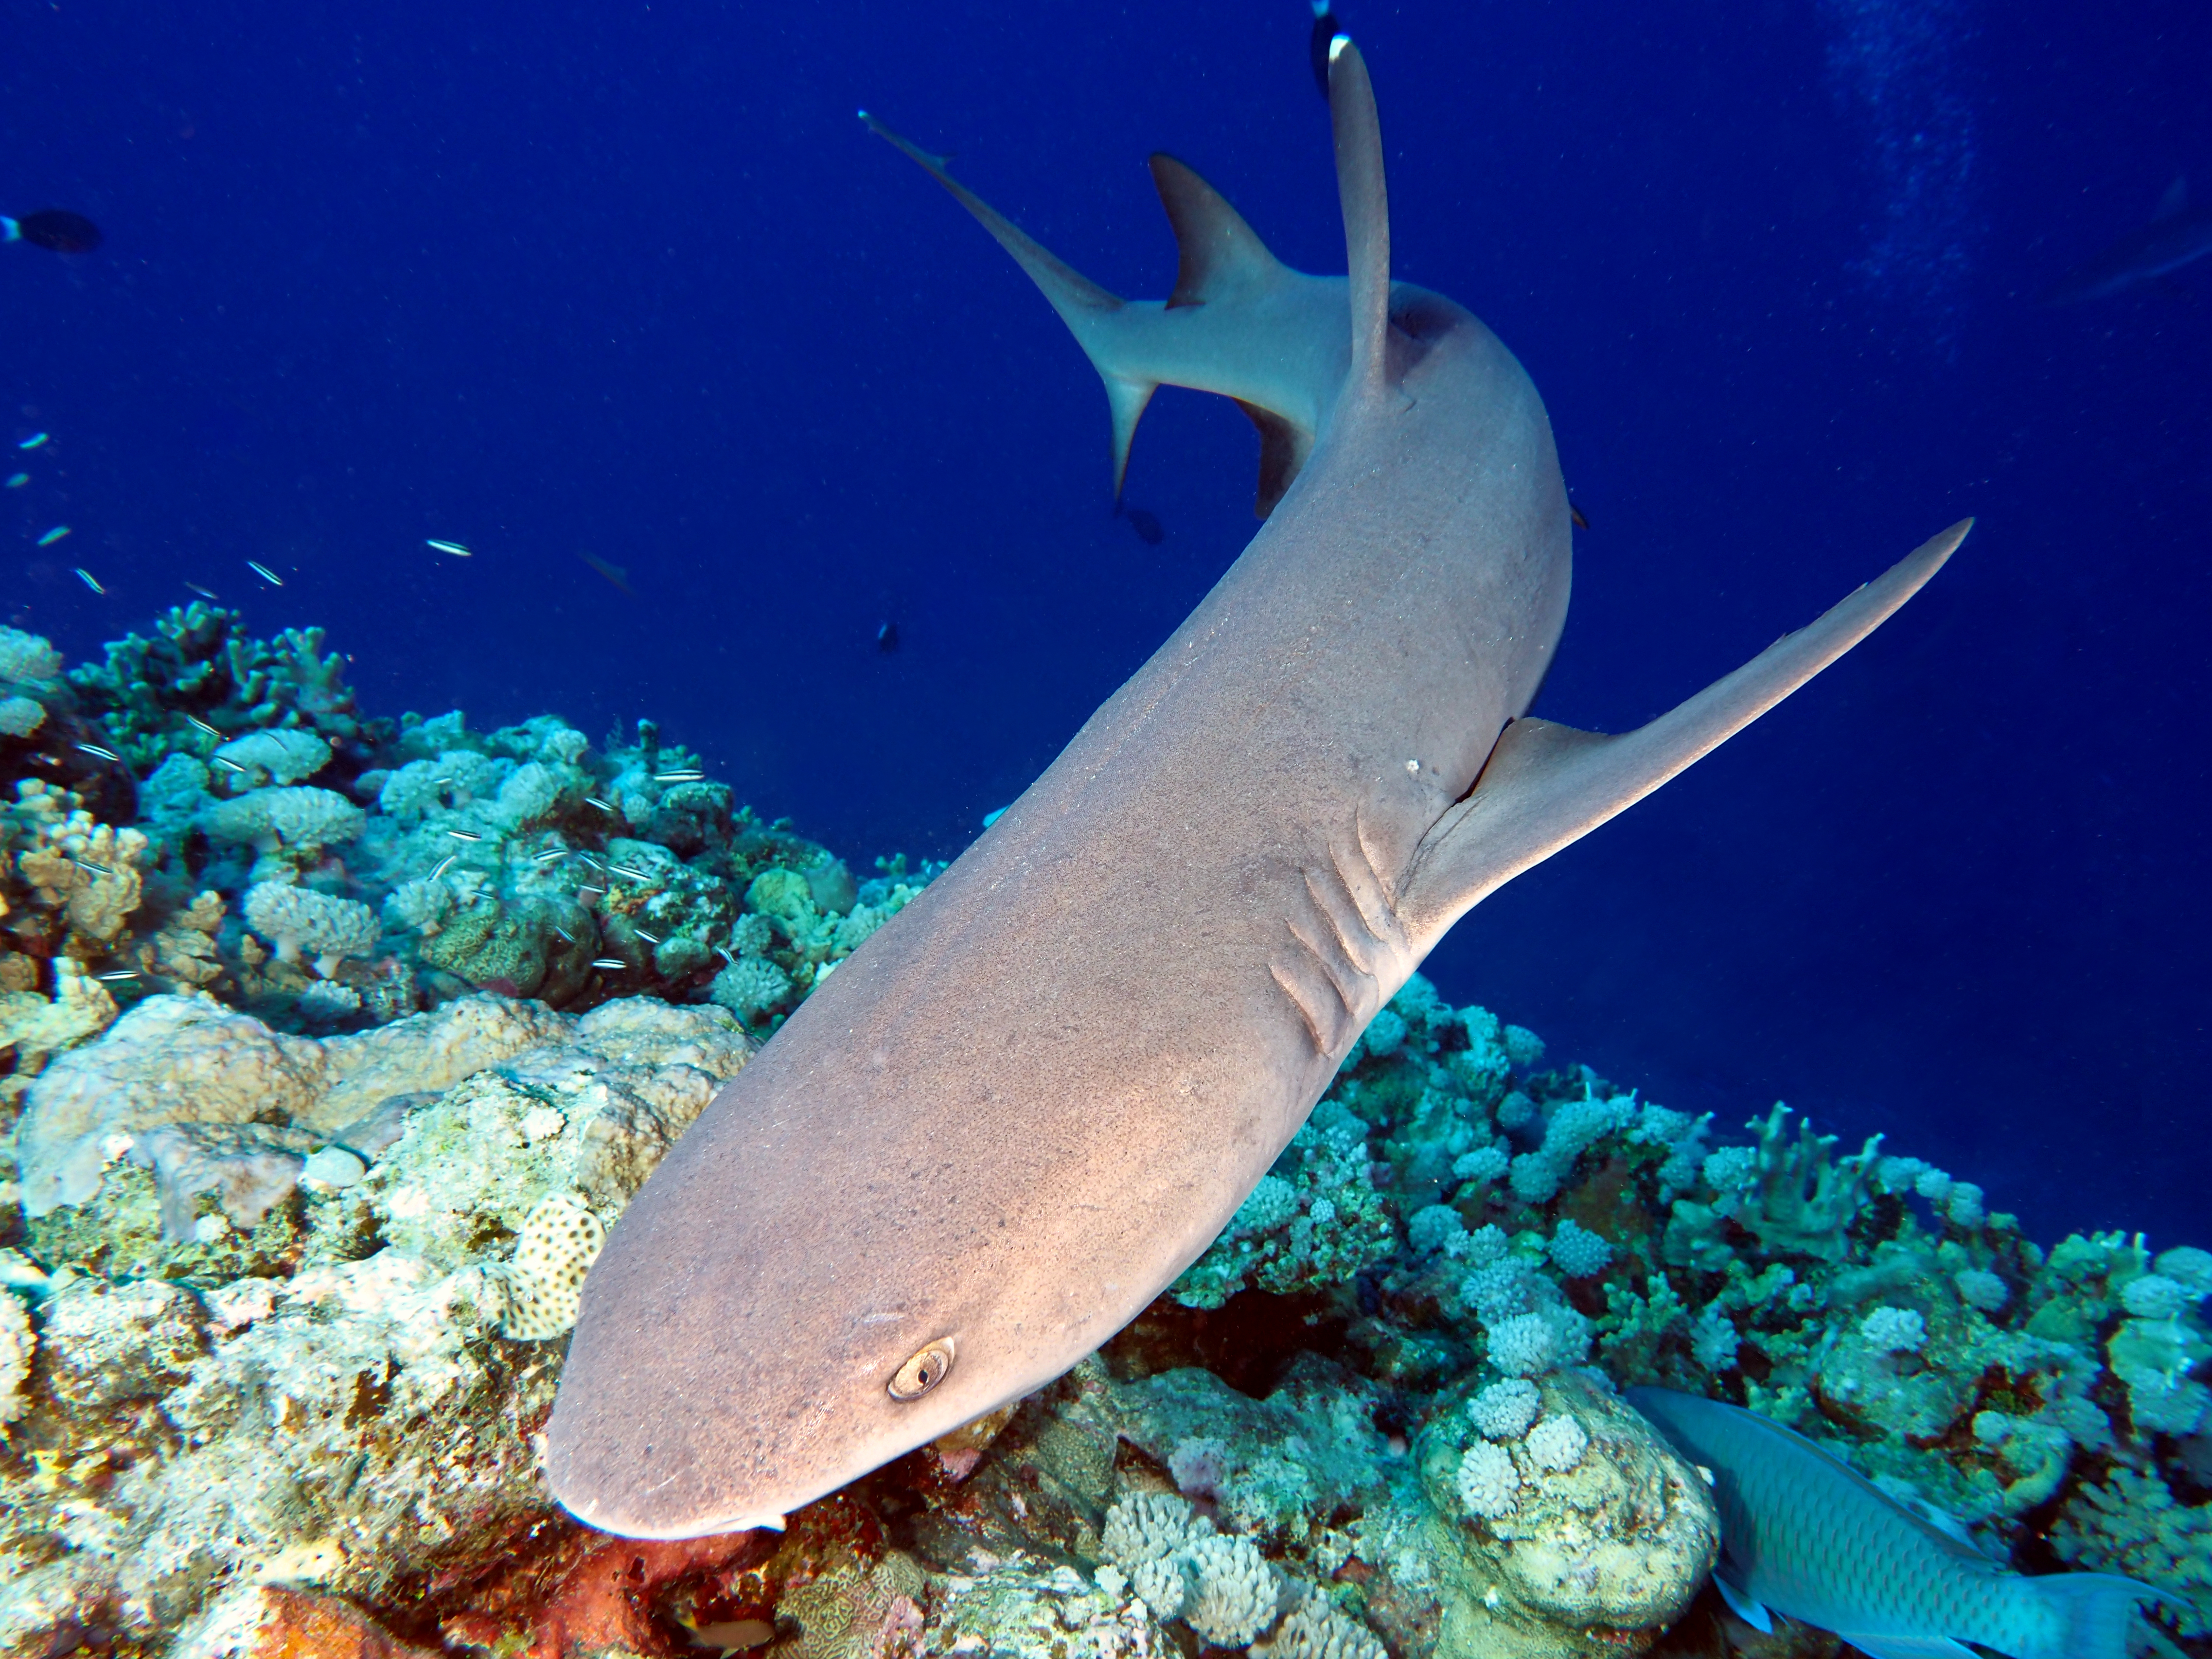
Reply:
x=204, y=810
x=338, y=1044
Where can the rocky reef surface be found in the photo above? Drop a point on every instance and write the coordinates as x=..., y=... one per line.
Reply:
x=302, y=1197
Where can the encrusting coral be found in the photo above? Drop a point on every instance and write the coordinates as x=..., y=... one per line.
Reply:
x=339, y=1043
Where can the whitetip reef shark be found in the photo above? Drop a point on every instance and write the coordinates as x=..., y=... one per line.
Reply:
x=1016, y=1113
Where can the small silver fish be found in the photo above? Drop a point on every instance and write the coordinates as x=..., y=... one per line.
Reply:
x=553, y=857
x=91, y=869
x=199, y=724
x=1804, y=1533
x=120, y=974
x=265, y=573
x=677, y=777
x=35, y=440
x=444, y=865
x=650, y=938
x=625, y=870
x=615, y=962
x=227, y=765
x=86, y=577
x=564, y=933
x=453, y=548
x=99, y=753
x=593, y=800
x=53, y=535
x=205, y=592
x=464, y=835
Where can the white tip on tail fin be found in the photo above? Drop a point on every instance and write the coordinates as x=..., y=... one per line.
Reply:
x=1360, y=184
x=1547, y=785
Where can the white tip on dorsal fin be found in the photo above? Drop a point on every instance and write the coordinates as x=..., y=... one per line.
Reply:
x=1217, y=253
x=1547, y=785
x=1366, y=208
x=2175, y=201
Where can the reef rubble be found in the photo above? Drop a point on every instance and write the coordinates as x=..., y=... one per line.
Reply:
x=339, y=1043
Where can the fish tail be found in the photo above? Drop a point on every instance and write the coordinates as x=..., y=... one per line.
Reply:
x=2086, y=1615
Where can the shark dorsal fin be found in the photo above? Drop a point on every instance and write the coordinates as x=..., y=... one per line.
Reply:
x=2174, y=202
x=1217, y=252
x=1358, y=136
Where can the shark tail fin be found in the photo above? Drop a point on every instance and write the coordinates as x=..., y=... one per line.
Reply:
x=1079, y=301
x=1547, y=785
x=1359, y=184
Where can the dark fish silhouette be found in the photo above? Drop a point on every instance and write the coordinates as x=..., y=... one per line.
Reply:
x=1326, y=28
x=1147, y=525
x=1576, y=513
x=2176, y=234
x=55, y=228
x=618, y=575
x=887, y=638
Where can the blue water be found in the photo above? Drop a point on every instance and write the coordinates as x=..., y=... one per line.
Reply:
x=630, y=279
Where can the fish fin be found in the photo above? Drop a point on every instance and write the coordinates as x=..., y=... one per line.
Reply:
x=1216, y=252
x=1068, y=288
x=2175, y=202
x=1284, y=446
x=2092, y=1613
x=1744, y=1606
x=1908, y=1647
x=1545, y=785
x=1078, y=301
x=1360, y=184
x=1126, y=398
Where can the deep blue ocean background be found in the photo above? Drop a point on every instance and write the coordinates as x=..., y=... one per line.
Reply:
x=631, y=280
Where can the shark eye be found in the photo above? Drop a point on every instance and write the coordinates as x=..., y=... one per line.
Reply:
x=924, y=1371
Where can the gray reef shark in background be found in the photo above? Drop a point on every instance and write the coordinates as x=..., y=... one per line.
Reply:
x=1013, y=1116
x=2177, y=235
x=1806, y=1535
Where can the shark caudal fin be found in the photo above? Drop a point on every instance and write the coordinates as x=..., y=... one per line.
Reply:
x=1547, y=785
x=1226, y=328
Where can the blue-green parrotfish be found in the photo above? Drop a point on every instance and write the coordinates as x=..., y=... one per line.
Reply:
x=1804, y=1534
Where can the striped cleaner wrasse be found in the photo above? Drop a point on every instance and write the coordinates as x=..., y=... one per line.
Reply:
x=1804, y=1534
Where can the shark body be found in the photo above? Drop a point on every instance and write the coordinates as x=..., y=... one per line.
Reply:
x=1034, y=1097
x=2177, y=235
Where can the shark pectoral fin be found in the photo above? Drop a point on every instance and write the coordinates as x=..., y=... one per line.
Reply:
x=1907, y=1647
x=1745, y=1606
x=1284, y=446
x=1547, y=785
x=1217, y=253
